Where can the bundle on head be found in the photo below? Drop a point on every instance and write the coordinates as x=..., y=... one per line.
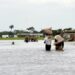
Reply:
x=47, y=31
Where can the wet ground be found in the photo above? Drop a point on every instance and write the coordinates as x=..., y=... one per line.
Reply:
x=32, y=59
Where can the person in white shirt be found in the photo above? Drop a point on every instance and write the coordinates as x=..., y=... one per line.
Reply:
x=47, y=42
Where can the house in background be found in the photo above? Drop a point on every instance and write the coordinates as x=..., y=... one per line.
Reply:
x=8, y=36
x=69, y=35
x=5, y=36
x=29, y=34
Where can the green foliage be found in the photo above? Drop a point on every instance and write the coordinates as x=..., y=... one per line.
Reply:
x=68, y=29
x=11, y=27
x=30, y=28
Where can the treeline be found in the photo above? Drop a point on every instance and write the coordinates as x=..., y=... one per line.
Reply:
x=32, y=29
x=28, y=30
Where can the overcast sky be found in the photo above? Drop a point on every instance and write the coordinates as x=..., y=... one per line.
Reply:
x=38, y=13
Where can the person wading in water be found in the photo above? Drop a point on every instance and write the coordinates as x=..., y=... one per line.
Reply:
x=47, y=42
x=59, y=42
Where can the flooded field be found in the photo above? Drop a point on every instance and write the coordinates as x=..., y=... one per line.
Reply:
x=32, y=59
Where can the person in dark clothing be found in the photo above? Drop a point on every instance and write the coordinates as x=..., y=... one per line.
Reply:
x=26, y=39
x=13, y=43
x=59, y=42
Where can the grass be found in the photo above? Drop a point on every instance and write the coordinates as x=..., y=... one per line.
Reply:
x=12, y=38
x=19, y=38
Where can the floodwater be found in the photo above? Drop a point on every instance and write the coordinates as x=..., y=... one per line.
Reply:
x=32, y=59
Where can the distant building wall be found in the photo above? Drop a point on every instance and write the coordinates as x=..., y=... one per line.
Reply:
x=69, y=36
x=15, y=36
x=5, y=36
x=29, y=34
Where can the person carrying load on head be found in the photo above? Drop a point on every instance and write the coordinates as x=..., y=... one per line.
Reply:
x=47, y=41
x=59, y=42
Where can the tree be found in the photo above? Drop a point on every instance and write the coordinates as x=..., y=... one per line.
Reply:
x=11, y=27
x=59, y=31
x=67, y=29
x=11, y=33
x=54, y=32
x=31, y=29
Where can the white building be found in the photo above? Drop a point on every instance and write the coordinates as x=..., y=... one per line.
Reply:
x=5, y=36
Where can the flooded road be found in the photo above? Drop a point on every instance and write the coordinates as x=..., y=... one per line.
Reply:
x=32, y=59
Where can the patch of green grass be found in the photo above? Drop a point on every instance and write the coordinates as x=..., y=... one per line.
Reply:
x=12, y=38
x=20, y=38
x=40, y=38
